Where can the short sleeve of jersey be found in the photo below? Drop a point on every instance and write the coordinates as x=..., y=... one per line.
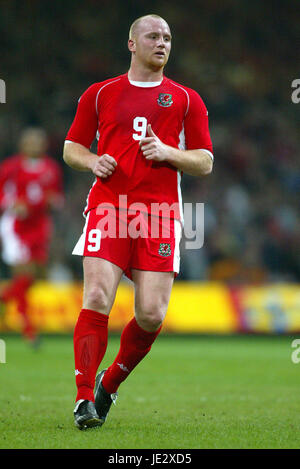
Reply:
x=196, y=124
x=84, y=127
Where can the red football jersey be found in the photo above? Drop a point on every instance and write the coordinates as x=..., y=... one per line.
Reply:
x=31, y=182
x=117, y=112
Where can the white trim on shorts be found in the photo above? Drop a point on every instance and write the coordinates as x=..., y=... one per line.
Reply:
x=14, y=250
x=79, y=246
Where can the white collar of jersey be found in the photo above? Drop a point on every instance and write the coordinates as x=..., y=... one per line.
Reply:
x=32, y=165
x=145, y=84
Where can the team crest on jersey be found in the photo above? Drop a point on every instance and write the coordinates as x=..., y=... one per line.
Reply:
x=165, y=99
x=165, y=249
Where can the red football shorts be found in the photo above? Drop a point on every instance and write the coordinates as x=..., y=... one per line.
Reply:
x=131, y=240
x=26, y=242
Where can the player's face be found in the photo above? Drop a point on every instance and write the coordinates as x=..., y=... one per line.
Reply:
x=152, y=43
x=33, y=145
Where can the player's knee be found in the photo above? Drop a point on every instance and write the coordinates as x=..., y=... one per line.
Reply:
x=151, y=319
x=97, y=300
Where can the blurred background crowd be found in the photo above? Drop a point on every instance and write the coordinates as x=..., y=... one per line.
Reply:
x=240, y=56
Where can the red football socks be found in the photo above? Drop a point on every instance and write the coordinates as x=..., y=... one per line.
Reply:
x=134, y=345
x=17, y=290
x=17, y=287
x=90, y=342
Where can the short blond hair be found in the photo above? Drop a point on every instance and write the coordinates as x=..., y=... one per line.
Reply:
x=135, y=24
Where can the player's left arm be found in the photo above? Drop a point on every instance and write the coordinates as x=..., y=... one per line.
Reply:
x=54, y=191
x=197, y=157
x=196, y=162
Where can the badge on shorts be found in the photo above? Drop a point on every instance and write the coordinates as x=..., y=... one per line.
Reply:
x=164, y=249
x=165, y=99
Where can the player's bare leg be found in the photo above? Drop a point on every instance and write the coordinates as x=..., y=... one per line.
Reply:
x=152, y=295
x=101, y=279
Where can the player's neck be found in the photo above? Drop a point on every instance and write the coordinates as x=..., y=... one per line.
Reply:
x=31, y=157
x=146, y=75
x=31, y=160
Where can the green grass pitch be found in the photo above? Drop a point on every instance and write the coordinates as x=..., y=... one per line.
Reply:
x=189, y=392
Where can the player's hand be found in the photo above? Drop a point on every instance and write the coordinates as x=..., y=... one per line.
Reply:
x=54, y=201
x=20, y=210
x=104, y=166
x=152, y=147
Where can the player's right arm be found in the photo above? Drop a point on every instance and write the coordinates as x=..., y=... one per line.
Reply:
x=81, y=135
x=80, y=158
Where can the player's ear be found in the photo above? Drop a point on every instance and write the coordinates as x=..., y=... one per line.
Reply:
x=131, y=45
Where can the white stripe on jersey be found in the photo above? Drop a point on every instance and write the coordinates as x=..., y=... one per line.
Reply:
x=179, y=197
x=181, y=146
x=106, y=84
x=188, y=98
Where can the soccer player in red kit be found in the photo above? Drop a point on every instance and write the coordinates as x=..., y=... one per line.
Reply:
x=30, y=184
x=149, y=130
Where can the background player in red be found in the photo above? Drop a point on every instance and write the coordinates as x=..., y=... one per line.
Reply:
x=149, y=130
x=30, y=185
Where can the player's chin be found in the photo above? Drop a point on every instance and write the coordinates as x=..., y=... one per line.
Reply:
x=159, y=61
